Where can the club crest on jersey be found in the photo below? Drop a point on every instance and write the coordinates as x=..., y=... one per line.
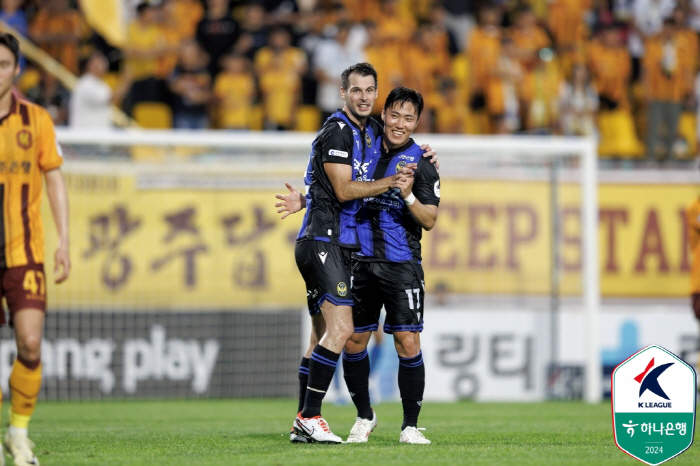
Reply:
x=342, y=289
x=24, y=139
x=400, y=165
x=368, y=140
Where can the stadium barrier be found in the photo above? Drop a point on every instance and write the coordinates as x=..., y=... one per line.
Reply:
x=162, y=354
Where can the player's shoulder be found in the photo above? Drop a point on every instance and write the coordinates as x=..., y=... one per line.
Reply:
x=336, y=127
x=34, y=111
x=376, y=126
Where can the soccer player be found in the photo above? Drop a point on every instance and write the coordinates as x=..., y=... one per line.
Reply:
x=328, y=235
x=386, y=271
x=693, y=222
x=29, y=151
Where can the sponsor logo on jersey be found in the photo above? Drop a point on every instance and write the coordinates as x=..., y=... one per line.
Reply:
x=323, y=255
x=410, y=158
x=400, y=165
x=24, y=139
x=338, y=153
x=437, y=188
x=342, y=289
x=361, y=169
x=341, y=124
x=368, y=140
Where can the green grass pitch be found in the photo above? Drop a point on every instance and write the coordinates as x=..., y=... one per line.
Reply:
x=256, y=432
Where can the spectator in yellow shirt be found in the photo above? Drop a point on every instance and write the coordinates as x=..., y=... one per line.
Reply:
x=279, y=51
x=451, y=114
x=56, y=28
x=611, y=68
x=234, y=92
x=146, y=46
x=667, y=75
x=280, y=86
x=529, y=39
x=484, y=51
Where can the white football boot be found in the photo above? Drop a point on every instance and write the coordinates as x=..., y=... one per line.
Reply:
x=20, y=447
x=315, y=430
x=293, y=437
x=413, y=435
x=362, y=428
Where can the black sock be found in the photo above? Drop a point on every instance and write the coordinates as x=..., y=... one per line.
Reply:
x=321, y=369
x=303, y=381
x=356, y=373
x=411, y=387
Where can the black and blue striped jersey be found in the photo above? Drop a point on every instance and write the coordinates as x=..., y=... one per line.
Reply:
x=338, y=141
x=385, y=227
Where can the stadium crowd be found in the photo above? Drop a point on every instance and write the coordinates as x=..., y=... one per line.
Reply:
x=624, y=70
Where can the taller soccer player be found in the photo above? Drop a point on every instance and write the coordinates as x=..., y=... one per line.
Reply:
x=29, y=151
x=337, y=166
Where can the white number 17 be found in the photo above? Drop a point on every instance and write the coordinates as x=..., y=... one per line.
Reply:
x=410, y=293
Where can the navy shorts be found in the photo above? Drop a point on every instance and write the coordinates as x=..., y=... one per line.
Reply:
x=398, y=286
x=325, y=268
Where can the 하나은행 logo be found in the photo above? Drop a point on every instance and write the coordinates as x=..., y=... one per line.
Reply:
x=653, y=405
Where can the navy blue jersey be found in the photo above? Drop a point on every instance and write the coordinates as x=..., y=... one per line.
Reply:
x=386, y=229
x=338, y=141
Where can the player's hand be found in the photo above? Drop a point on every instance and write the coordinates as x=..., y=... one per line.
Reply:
x=405, y=186
x=62, y=268
x=408, y=169
x=430, y=152
x=291, y=203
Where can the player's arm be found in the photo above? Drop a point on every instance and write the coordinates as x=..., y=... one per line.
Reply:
x=421, y=194
x=340, y=176
x=58, y=199
x=336, y=149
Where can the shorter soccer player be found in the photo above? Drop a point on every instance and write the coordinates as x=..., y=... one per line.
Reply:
x=387, y=271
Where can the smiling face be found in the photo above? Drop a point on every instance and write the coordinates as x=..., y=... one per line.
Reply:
x=400, y=121
x=359, y=97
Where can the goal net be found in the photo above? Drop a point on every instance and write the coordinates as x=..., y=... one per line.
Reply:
x=184, y=282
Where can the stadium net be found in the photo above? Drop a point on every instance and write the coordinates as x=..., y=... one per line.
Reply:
x=184, y=281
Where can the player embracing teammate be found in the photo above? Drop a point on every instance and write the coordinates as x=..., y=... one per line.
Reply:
x=386, y=269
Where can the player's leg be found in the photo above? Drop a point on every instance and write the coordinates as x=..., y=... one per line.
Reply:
x=25, y=291
x=318, y=327
x=25, y=383
x=326, y=271
x=325, y=355
x=356, y=364
x=404, y=319
x=356, y=370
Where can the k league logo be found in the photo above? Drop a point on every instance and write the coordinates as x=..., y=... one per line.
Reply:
x=650, y=382
x=653, y=404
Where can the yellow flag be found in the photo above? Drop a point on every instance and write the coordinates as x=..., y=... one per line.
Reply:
x=107, y=18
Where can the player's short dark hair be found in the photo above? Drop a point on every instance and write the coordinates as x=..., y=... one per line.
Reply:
x=404, y=95
x=11, y=42
x=363, y=69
